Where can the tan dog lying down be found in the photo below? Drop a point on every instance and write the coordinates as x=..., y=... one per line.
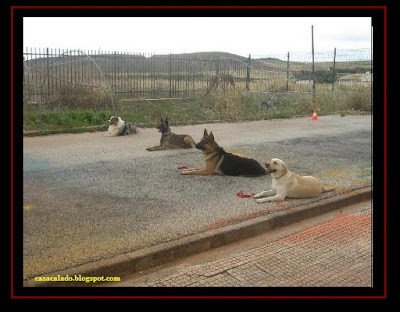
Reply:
x=288, y=184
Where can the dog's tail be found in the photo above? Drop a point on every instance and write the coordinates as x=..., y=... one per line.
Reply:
x=328, y=189
x=133, y=128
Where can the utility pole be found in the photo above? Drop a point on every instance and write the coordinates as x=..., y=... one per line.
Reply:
x=334, y=69
x=312, y=51
x=248, y=73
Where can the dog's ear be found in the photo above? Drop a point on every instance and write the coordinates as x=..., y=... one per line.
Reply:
x=205, y=132
x=284, y=167
x=211, y=137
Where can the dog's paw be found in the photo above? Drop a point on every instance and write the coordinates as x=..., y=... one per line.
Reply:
x=263, y=200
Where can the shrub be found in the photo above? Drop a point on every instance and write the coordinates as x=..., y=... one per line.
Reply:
x=80, y=97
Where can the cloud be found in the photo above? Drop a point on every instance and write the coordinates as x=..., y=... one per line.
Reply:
x=346, y=36
x=239, y=35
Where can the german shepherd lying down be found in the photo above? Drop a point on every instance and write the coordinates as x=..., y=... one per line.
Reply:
x=171, y=140
x=217, y=161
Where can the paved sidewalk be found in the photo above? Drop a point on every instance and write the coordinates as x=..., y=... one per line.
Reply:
x=334, y=253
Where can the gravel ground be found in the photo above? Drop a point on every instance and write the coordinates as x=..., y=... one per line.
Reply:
x=89, y=197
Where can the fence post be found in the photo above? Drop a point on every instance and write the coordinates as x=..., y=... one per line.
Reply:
x=217, y=67
x=248, y=73
x=48, y=73
x=114, y=76
x=334, y=69
x=312, y=51
x=287, y=73
x=170, y=75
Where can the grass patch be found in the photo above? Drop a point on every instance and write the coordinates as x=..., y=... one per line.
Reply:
x=61, y=119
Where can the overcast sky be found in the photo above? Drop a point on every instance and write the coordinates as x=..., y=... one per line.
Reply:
x=259, y=36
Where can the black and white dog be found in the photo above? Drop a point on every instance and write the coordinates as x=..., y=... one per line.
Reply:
x=119, y=127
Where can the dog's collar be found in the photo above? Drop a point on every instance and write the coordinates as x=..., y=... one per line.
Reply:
x=166, y=133
x=277, y=178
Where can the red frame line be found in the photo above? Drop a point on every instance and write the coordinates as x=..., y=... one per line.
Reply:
x=197, y=7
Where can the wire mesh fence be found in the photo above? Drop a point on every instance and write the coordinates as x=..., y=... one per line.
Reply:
x=294, y=71
x=75, y=77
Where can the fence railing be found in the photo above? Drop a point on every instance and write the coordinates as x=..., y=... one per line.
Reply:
x=51, y=75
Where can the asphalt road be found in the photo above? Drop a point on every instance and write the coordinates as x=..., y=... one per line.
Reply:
x=89, y=197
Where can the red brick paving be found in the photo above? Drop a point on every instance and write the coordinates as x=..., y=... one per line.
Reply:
x=334, y=253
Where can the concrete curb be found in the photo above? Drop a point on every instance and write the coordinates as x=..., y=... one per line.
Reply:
x=136, y=261
x=34, y=133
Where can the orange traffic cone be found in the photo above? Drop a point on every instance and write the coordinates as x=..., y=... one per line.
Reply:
x=314, y=115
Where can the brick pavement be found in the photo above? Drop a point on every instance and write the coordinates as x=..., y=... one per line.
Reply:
x=335, y=253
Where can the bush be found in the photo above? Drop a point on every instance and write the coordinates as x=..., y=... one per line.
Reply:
x=79, y=97
x=359, y=101
x=218, y=104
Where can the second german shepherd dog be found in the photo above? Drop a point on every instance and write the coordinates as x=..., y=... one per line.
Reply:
x=218, y=161
x=171, y=140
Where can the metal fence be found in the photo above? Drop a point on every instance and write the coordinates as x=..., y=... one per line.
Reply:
x=52, y=75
